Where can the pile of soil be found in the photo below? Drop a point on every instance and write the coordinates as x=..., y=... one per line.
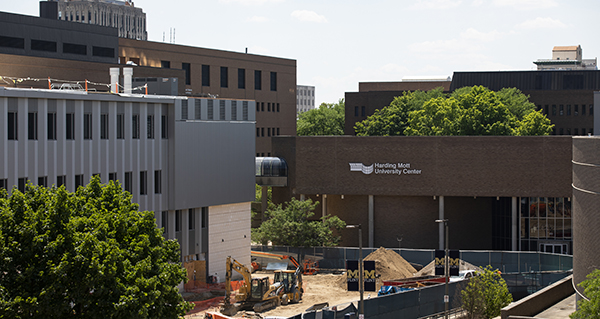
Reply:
x=389, y=265
x=429, y=270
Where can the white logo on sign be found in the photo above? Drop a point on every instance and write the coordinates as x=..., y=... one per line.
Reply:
x=360, y=167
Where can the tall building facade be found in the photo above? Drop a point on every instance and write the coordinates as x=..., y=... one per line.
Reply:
x=189, y=160
x=305, y=98
x=122, y=15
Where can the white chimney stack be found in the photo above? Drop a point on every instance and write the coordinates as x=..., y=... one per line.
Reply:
x=127, y=79
x=114, y=79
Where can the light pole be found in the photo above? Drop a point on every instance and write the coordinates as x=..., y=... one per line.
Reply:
x=446, y=270
x=361, y=309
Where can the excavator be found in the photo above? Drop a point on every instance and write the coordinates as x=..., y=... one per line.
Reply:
x=256, y=293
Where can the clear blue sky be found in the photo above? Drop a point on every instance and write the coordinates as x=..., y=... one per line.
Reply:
x=339, y=43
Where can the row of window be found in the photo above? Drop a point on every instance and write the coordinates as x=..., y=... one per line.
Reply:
x=61, y=180
x=271, y=107
x=224, y=72
x=263, y=154
x=306, y=93
x=186, y=112
x=52, y=46
x=191, y=219
x=363, y=111
x=575, y=131
x=105, y=19
x=569, y=111
x=88, y=122
x=306, y=102
x=271, y=131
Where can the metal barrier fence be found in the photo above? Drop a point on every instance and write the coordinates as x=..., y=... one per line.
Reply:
x=505, y=261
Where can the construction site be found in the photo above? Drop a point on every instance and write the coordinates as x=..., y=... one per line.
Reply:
x=278, y=286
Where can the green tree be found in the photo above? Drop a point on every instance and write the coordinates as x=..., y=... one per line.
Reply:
x=392, y=120
x=328, y=119
x=289, y=224
x=534, y=123
x=588, y=309
x=88, y=254
x=485, y=295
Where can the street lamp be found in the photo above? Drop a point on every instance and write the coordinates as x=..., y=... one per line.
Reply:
x=446, y=270
x=361, y=310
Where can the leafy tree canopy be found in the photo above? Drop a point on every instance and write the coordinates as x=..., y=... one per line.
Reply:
x=588, y=309
x=88, y=254
x=289, y=224
x=328, y=119
x=467, y=111
x=486, y=294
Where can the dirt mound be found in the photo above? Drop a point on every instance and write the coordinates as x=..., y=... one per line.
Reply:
x=429, y=270
x=388, y=264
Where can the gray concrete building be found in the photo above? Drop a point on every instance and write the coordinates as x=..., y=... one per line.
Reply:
x=305, y=98
x=189, y=160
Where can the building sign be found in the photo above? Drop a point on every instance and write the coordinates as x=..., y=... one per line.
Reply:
x=385, y=169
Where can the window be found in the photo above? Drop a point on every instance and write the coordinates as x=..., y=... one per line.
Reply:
x=582, y=109
x=70, y=126
x=210, y=110
x=591, y=109
x=128, y=181
x=273, y=81
x=157, y=182
x=222, y=110
x=582, y=131
x=177, y=221
x=262, y=131
x=268, y=131
x=87, y=126
x=245, y=110
x=234, y=110
x=165, y=64
x=269, y=107
x=363, y=111
x=13, y=126
x=112, y=177
x=143, y=183
x=121, y=126
x=104, y=126
x=150, y=127
x=561, y=131
x=224, y=77
x=164, y=217
x=356, y=111
x=575, y=131
x=257, y=132
x=204, y=217
x=10, y=42
x=184, y=109
x=575, y=109
x=43, y=181
x=257, y=106
x=72, y=48
x=241, y=78
x=198, y=109
x=41, y=45
x=568, y=109
x=568, y=131
x=78, y=181
x=257, y=80
x=278, y=131
x=4, y=183
x=277, y=107
x=546, y=109
x=22, y=182
x=32, y=127
x=187, y=68
x=52, y=126
x=262, y=106
x=61, y=181
x=561, y=110
x=135, y=126
x=205, y=75
x=553, y=109
x=103, y=52
x=163, y=126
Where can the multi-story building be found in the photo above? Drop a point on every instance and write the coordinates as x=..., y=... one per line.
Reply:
x=34, y=49
x=567, y=58
x=189, y=160
x=122, y=15
x=305, y=98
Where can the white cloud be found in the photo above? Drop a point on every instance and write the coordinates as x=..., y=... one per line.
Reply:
x=308, y=16
x=526, y=4
x=473, y=34
x=541, y=23
x=257, y=19
x=435, y=4
x=251, y=2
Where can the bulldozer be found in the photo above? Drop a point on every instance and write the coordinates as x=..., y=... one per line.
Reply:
x=255, y=293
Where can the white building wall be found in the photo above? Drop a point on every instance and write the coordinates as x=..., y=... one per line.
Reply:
x=305, y=98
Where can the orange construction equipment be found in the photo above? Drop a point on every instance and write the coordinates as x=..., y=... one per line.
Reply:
x=309, y=267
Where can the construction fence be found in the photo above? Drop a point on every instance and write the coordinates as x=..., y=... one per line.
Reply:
x=505, y=261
